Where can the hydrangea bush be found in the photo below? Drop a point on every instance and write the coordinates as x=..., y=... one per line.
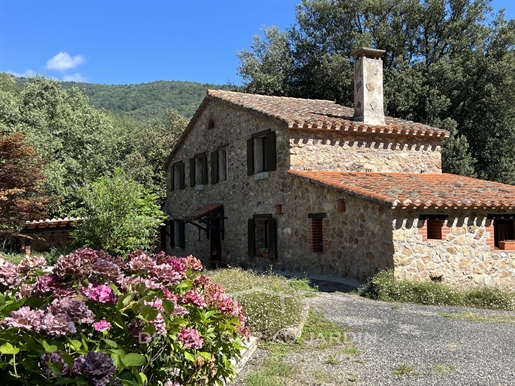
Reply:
x=98, y=320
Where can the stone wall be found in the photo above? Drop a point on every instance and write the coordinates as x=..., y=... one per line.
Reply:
x=336, y=151
x=465, y=257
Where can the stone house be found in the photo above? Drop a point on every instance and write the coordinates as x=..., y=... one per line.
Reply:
x=313, y=186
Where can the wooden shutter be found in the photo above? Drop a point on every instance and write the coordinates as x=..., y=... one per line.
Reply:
x=251, y=238
x=172, y=179
x=192, y=172
x=214, y=167
x=204, y=169
x=270, y=151
x=272, y=238
x=181, y=175
x=182, y=234
x=250, y=156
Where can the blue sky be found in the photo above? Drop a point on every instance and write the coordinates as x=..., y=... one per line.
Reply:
x=128, y=42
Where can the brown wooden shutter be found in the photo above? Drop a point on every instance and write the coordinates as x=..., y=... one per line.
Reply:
x=251, y=238
x=270, y=151
x=182, y=234
x=192, y=172
x=204, y=169
x=181, y=175
x=250, y=156
x=272, y=238
x=214, y=167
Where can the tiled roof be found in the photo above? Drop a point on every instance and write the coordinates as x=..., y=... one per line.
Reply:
x=320, y=114
x=412, y=190
x=52, y=223
x=201, y=212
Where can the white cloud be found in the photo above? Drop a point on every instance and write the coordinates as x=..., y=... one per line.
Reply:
x=63, y=61
x=74, y=78
x=24, y=74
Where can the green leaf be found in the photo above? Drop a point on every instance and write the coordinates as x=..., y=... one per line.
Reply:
x=75, y=343
x=134, y=360
x=49, y=348
x=188, y=356
x=9, y=349
x=111, y=343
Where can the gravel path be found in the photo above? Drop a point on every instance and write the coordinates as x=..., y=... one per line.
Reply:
x=427, y=348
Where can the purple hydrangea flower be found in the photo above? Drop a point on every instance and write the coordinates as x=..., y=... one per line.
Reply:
x=59, y=324
x=193, y=297
x=47, y=283
x=76, y=309
x=24, y=318
x=100, y=367
x=101, y=293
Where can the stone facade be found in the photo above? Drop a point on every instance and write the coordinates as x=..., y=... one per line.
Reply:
x=326, y=150
x=465, y=257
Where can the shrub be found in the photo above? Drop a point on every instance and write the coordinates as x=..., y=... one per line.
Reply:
x=102, y=321
x=385, y=287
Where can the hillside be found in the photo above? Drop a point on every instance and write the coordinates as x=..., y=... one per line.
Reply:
x=144, y=101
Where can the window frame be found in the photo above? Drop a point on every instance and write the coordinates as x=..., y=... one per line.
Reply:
x=177, y=172
x=261, y=151
x=270, y=235
x=198, y=165
x=217, y=165
x=317, y=219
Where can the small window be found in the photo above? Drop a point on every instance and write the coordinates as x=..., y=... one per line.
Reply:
x=198, y=170
x=434, y=229
x=261, y=156
x=316, y=232
x=177, y=176
x=503, y=230
x=262, y=236
x=211, y=124
x=219, y=165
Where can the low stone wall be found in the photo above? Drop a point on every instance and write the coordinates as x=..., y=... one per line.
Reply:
x=465, y=257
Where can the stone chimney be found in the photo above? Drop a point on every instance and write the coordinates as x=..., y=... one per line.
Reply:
x=368, y=86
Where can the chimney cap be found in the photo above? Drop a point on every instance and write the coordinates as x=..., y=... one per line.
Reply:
x=370, y=53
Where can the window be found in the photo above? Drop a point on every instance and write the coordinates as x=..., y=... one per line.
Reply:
x=504, y=227
x=432, y=226
x=434, y=229
x=262, y=236
x=177, y=176
x=176, y=233
x=219, y=165
x=211, y=124
x=261, y=155
x=316, y=232
x=198, y=170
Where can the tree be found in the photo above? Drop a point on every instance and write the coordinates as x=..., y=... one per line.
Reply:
x=449, y=63
x=21, y=175
x=119, y=215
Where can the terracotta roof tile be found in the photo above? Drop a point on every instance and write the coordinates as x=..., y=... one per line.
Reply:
x=52, y=223
x=320, y=114
x=413, y=190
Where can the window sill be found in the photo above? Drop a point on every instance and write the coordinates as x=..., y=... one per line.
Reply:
x=261, y=176
x=199, y=187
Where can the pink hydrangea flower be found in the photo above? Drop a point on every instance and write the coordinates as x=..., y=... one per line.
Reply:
x=193, y=297
x=102, y=325
x=190, y=338
x=101, y=293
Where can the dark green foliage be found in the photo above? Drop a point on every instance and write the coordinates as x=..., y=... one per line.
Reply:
x=448, y=63
x=385, y=287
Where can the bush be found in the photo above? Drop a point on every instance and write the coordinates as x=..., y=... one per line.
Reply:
x=102, y=321
x=385, y=287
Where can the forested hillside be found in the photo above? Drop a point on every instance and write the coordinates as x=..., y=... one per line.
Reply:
x=145, y=101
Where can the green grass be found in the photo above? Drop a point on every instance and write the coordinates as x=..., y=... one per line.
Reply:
x=444, y=369
x=15, y=258
x=404, y=369
x=493, y=318
x=270, y=301
x=385, y=287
